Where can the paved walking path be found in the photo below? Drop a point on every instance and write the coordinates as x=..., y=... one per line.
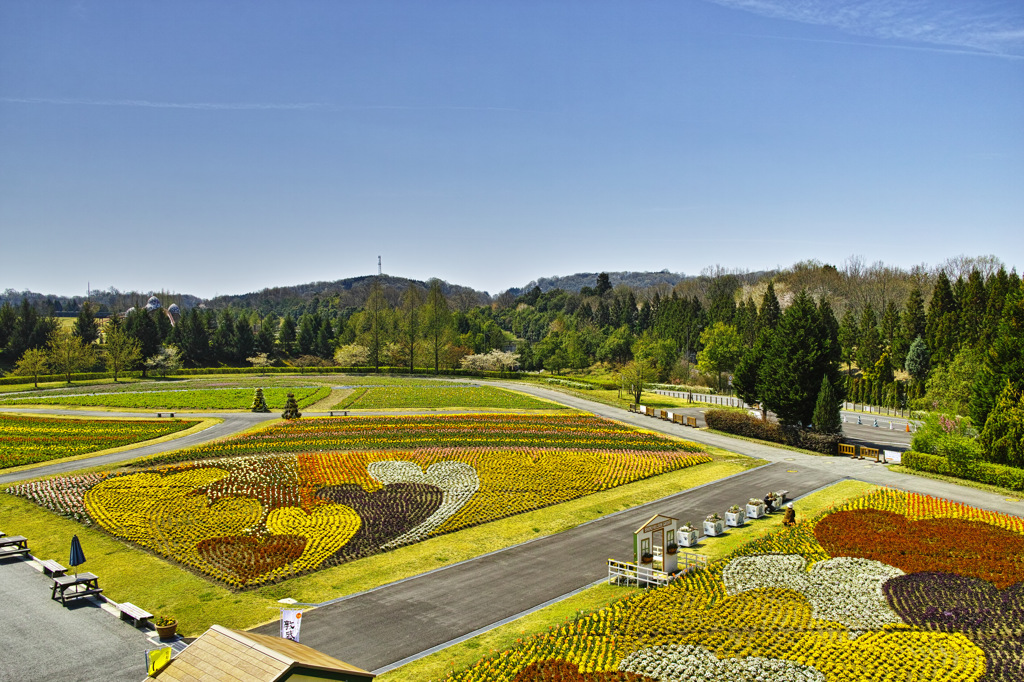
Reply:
x=42, y=640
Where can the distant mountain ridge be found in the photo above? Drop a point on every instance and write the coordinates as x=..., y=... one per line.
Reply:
x=574, y=283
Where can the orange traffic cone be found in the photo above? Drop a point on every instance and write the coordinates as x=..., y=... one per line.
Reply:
x=908, y=427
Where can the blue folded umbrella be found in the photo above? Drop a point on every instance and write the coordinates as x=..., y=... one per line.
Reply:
x=77, y=555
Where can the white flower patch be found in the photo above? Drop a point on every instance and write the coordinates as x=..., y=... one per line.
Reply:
x=845, y=590
x=458, y=482
x=674, y=663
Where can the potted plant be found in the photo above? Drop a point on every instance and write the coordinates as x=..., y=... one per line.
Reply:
x=713, y=525
x=646, y=558
x=671, y=548
x=734, y=517
x=687, y=535
x=755, y=508
x=165, y=627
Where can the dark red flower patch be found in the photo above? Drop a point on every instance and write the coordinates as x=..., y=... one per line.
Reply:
x=251, y=557
x=969, y=548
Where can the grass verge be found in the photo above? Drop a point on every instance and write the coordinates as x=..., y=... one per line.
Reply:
x=465, y=654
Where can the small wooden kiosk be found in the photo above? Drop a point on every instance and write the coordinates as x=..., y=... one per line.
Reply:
x=652, y=539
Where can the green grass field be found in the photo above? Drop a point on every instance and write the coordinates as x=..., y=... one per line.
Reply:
x=437, y=395
x=177, y=398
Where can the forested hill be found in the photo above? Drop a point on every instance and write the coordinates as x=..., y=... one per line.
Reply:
x=351, y=292
x=575, y=283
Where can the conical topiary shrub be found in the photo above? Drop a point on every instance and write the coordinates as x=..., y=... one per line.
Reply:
x=291, y=408
x=259, y=403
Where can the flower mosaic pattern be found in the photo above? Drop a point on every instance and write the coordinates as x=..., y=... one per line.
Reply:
x=688, y=662
x=844, y=590
x=283, y=501
x=457, y=481
x=763, y=604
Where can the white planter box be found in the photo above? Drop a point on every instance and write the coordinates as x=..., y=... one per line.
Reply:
x=713, y=528
x=735, y=520
x=755, y=511
x=686, y=539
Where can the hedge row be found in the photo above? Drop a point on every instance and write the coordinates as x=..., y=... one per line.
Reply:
x=202, y=371
x=749, y=426
x=982, y=472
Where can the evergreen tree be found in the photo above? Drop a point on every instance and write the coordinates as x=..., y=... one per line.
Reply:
x=193, y=339
x=85, y=326
x=265, y=336
x=307, y=335
x=604, y=284
x=827, y=417
x=942, y=322
x=912, y=323
x=747, y=378
x=801, y=352
x=374, y=317
x=849, y=332
x=771, y=311
x=972, y=306
x=324, y=347
x=1002, y=439
x=8, y=318
x=918, y=360
x=996, y=289
x=869, y=345
x=286, y=336
x=222, y=343
x=139, y=325
x=411, y=304
x=890, y=328
x=244, y=340
x=1003, y=361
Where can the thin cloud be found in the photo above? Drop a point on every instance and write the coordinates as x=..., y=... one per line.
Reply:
x=236, y=106
x=991, y=26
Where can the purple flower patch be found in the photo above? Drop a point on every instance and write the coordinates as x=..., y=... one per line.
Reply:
x=991, y=618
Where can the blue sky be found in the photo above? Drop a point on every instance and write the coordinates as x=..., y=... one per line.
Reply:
x=220, y=147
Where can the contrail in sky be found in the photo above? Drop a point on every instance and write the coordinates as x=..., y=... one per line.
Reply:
x=241, y=106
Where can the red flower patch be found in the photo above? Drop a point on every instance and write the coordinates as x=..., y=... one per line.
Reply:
x=968, y=548
x=250, y=557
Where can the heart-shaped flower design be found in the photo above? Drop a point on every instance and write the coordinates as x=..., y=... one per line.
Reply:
x=458, y=482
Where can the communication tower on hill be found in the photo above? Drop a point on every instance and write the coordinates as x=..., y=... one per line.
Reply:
x=378, y=266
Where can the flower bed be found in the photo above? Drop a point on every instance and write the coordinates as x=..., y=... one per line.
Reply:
x=26, y=440
x=182, y=399
x=442, y=394
x=783, y=608
x=251, y=519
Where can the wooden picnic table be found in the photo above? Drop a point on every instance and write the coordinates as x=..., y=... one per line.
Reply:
x=13, y=545
x=65, y=583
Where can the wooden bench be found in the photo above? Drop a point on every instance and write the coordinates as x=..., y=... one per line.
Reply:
x=132, y=613
x=691, y=421
x=53, y=568
x=845, y=449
